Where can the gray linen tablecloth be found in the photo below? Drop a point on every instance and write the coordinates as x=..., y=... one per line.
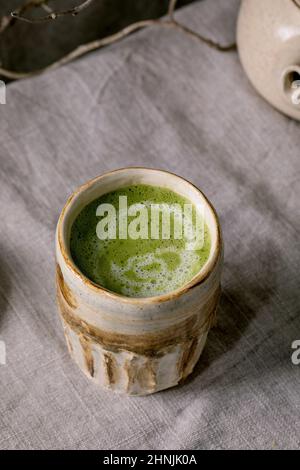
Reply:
x=159, y=99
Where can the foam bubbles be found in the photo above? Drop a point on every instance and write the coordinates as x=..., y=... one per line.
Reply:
x=140, y=267
x=150, y=274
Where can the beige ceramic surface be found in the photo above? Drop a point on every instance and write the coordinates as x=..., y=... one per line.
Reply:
x=268, y=39
x=131, y=345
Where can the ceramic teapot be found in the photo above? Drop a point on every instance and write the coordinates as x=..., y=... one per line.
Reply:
x=268, y=39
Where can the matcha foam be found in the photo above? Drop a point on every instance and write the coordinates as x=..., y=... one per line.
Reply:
x=141, y=267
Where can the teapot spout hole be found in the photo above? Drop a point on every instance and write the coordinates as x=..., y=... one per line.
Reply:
x=291, y=84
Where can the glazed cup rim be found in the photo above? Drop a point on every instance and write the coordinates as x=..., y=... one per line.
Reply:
x=198, y=279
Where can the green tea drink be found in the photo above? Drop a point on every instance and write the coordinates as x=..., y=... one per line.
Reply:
x=157, y=260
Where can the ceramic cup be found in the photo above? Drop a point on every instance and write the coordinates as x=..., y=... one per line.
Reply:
x=136, y=345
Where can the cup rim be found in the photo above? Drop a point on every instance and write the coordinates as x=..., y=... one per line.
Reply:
x=198, y=279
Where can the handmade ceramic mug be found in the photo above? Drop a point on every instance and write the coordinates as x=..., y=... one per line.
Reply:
x=136, y=345
x=268, y=37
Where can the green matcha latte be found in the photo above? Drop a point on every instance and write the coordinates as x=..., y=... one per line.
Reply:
x=142, y=266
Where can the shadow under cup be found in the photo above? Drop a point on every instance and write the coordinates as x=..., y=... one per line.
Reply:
x=136, y=345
